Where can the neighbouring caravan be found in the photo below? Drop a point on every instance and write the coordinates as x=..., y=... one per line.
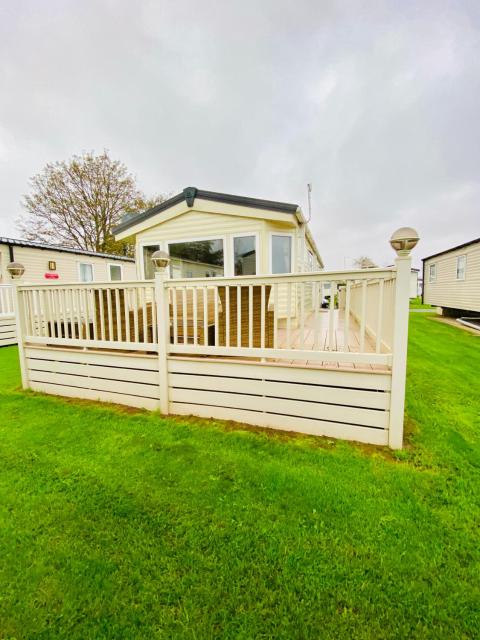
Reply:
x=451, y=279
x=47, y=264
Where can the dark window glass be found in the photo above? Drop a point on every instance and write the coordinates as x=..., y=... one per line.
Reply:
x=245, y=256
x=195, y=259
x=281, y=254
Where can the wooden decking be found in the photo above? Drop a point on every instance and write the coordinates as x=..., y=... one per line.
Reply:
x=323, y=341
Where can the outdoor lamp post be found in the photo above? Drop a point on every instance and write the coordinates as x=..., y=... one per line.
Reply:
x=160, y=260
x=404, y=240
x=15, y=269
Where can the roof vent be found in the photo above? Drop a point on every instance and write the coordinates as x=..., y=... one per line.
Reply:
x=190, y=193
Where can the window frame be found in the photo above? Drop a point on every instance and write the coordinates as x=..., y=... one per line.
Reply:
x=221, y=237
x=114, y=264
x=464, y=256
x=270, y=250
x=430, y=278
x=246, y=234
x=141, y=246
x=79, y=267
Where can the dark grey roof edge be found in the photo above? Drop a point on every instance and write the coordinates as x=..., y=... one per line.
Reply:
x=459, y=246
x=256, y=203
x=53, y=247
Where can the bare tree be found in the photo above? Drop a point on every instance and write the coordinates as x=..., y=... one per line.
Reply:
x=78, y=202
x=364, y=262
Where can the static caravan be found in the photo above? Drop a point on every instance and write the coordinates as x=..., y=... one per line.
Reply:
x=217, y=234
x=45, y=262
x=53, y=264
x=451, y=279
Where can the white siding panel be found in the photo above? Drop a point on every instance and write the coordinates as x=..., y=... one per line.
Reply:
x=449, y=292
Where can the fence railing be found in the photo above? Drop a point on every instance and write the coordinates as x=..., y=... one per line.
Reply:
x=269, y=317
x=7, y=304
x=281, y=316
x=371, y=304
x=102, y=315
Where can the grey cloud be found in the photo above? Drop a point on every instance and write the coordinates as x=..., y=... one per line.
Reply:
x=375, y=103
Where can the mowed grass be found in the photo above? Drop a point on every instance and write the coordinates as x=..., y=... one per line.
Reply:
x=116, y=524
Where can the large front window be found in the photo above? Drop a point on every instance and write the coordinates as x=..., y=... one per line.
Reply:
x=196, y=259
x=281, y=254
x=245, y=256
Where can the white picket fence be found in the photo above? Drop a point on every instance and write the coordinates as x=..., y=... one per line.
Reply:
x=258, y=349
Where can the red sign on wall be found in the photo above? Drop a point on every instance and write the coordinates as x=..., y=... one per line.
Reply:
x=51, y=276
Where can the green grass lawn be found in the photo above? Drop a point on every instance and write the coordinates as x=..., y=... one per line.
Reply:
x=121, y=524
x=416, y=303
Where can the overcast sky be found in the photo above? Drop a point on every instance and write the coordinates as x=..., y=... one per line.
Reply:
x=376, y=103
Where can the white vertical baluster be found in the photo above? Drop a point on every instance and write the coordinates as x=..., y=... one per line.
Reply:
x=118, y=319
x=302, y=315
x=331, y=317
x=289, y=313
x=102, y=313
x=143, y=302
x=195, y=315
x=346, y=319
x=227, y=316
x=275, y=315
x=239, y=316
x=363, y=316
x=317, y=288
x=175, y=314
x=185, y=315
x=154, y=312
x=205, y=315
x=110, y=315
x=378, y=341
x=250, y=316
x=126, y=298
x=215, y=291
x=262, y=317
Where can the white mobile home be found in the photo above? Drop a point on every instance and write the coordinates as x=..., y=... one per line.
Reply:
x=51, y=263
x=451, y=279
x=45, y=262
x=227, y=235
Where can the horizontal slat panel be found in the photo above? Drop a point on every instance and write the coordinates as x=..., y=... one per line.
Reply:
x=91, y=394
x=93, y=344
x=124, y=360
x=293, y=391
x=286, y=354
x=93, y=371
x=286, y=423
x=318, y=411
x=99, y=384
x=353, y=379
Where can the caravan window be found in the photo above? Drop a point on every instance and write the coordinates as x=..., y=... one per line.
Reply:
x=245, y=255
x=86, y=272
x=148, y=268
x=281, y=253
x=196, y=258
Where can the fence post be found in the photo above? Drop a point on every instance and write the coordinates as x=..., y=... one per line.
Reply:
x=402, y=241
x=19, y=310
x=163, y=334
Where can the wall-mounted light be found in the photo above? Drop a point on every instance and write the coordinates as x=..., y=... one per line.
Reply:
x=15, y=269
x=52, y=265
